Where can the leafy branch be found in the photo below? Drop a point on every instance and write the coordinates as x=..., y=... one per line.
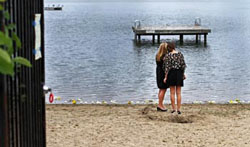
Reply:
x=7, y=39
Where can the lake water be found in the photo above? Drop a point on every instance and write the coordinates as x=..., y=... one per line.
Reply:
x=90, y=52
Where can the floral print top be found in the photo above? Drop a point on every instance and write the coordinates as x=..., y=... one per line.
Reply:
x=174, y=61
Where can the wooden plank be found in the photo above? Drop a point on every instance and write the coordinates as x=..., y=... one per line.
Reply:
x=172, y=30
x=150, y=31
x=168, y=32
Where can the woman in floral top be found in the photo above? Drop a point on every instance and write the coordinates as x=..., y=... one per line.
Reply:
x=174, y=66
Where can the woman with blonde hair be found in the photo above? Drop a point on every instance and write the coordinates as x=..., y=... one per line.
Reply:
x=160, y=75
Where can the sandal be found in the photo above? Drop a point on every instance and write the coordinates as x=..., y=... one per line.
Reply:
x=173, y=111
x=179, y=112
x=161, y=110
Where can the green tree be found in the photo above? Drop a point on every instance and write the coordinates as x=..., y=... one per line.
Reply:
x=7, y=39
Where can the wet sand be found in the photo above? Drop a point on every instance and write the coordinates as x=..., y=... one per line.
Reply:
x=208, y=125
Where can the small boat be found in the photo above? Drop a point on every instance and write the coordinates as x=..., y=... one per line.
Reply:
x=53, y=7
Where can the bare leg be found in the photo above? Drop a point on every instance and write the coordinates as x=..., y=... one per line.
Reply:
x=161, y=96
x=178, y=93
x=172, y=96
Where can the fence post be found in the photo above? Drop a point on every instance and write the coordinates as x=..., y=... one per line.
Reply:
x=4, y=139
x=22, y=105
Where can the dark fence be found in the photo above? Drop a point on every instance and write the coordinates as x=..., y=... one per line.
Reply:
x=22, y=102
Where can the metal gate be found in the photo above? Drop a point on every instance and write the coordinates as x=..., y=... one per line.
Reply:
x=22, y=102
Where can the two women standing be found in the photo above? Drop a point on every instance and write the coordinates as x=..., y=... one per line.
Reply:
x=170, y=73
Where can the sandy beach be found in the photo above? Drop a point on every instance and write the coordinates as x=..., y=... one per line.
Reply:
x=200, y=125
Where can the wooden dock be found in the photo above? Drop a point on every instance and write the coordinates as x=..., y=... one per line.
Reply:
x=170, y=30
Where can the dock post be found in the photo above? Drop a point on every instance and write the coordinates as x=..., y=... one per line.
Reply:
x=135, y=37
x=181, y=38
x=205, y=38
x=153, y=39
x=197, y=38
x=158, y=38
x=139, y=38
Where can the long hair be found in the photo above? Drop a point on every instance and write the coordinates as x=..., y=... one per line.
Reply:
x=171, y=47
x=161, y=51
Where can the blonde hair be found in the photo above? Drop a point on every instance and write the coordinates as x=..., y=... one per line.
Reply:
x=161, y=51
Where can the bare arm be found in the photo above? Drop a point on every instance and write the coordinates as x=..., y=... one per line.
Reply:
x=183, y=66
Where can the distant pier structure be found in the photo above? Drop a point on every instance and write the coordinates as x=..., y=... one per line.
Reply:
x=180, y=30
x=54, y=7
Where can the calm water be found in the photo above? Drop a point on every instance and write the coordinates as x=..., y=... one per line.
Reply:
x=90, y=53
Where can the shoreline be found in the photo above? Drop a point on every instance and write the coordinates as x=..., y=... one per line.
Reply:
x=149, y=102
x=119, y=125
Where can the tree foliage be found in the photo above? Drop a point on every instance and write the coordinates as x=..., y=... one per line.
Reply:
x=8, y=38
